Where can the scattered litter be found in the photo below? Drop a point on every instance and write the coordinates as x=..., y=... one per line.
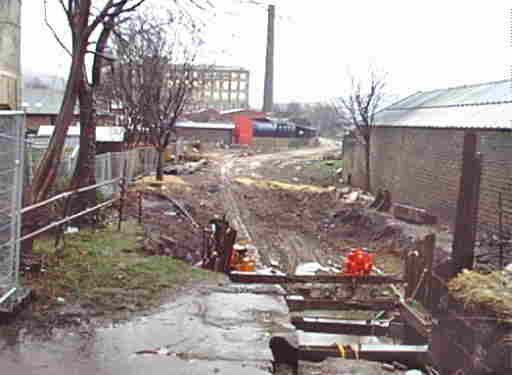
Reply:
x=71, y=230
x=61, y=300
x=352, y=197
x=170, y=213
x=313, y=268
x=399, y=366
x=388, y=367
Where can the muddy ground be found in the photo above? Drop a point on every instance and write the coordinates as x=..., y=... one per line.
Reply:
x=214, y=326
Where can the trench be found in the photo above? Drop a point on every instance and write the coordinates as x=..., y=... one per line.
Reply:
x=297, y=254
x=208, y=328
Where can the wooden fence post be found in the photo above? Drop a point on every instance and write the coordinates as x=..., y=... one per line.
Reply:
x=463, y=247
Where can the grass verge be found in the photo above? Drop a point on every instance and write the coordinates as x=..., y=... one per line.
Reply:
x=107, y=270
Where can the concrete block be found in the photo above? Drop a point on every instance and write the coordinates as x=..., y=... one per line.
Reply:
x=413, y=214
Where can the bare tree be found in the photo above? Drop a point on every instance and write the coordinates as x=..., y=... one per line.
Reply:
x=154, y=79
x=84, y=19
x=359, y=105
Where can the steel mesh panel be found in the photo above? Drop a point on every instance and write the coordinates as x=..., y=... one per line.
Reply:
x=11, y=168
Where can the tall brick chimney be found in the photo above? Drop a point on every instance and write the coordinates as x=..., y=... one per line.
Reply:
x=268, y=95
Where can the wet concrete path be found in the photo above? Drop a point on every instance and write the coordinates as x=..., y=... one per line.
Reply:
x=209, y=330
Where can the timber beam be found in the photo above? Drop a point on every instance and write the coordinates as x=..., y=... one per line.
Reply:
x=411, y=355
x=299, y=303
x=269, y=278
x=343, y=327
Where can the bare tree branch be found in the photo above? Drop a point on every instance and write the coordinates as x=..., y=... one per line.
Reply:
x=153, y=79
x=360, y=105
x=55, y=35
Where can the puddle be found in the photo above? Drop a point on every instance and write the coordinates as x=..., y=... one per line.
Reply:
x=197, y=334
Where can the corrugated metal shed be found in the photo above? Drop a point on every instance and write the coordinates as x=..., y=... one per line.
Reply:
x=205, y=125
x=486, y=106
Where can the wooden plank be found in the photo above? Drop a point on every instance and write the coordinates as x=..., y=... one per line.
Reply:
x=465, y=221
x=424, y=295
x=259, y=278
x=410, y=355
x=341, y=326
x=265, y=278
x=298, y=303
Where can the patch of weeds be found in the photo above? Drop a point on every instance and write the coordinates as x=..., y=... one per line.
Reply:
x=107, y=269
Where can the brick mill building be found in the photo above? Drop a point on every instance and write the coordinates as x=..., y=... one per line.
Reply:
x=416, y=149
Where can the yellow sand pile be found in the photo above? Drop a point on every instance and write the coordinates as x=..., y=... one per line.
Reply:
x=168, y=179
x=277, y=185
x=492, y=292
x=174, y=183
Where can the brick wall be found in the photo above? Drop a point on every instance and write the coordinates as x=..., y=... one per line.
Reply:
x=35, y=121
x=206, y=135
x=421, y=167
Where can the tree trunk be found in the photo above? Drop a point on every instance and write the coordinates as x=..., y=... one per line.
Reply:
x=85, y=170
x=160, y=164
x=367, y=164
x=46, y=172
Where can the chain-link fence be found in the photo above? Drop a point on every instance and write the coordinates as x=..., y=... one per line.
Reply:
x=11, y=167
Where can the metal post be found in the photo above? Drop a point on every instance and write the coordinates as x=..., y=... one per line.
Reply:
x=19, y=198
x=500, y=228
x=139, y=196
x=123, y=195
x=60, y=230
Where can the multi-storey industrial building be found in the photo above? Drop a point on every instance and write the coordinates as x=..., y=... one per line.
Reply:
x=220, y=87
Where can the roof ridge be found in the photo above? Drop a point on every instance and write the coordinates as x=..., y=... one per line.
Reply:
x=398, y=101
x=467, y=86
x=497, y=102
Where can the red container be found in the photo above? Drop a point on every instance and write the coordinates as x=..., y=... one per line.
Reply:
x=243, y=130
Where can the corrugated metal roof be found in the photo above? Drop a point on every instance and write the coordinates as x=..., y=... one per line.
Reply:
x=205, y=125
x=487, y=105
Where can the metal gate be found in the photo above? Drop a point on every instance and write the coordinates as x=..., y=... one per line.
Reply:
x=12, y=141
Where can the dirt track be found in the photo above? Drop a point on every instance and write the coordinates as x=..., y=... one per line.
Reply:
x=276, y=242
x=210, y=328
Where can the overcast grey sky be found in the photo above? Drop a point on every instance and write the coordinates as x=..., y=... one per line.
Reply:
x=421, y=44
